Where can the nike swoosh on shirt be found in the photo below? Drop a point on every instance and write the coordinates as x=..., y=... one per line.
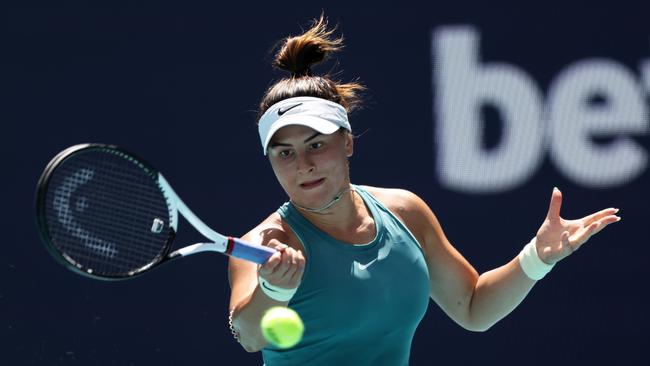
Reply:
x=283, y=111
x=363, y=267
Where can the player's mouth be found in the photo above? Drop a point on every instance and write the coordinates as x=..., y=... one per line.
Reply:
x=312, y=183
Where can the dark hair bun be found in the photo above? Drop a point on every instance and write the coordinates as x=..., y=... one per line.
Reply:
x=299, y=53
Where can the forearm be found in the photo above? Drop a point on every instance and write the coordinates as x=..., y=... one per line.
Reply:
x=497, y=293
x=247, y=315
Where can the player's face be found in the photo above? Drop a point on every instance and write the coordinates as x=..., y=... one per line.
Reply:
x=310, y=166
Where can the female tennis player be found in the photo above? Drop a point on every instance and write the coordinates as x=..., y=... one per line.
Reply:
x=359, y=263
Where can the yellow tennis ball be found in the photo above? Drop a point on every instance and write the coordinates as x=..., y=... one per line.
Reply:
x=282, y=327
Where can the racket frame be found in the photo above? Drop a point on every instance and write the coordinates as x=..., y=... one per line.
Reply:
x=220, y=243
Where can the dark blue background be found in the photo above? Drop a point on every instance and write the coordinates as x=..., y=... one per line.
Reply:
x=178, y=83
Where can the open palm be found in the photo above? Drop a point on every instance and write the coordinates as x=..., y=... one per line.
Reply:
x=557, y=238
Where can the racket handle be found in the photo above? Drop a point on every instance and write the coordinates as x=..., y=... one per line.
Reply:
x=250, y=252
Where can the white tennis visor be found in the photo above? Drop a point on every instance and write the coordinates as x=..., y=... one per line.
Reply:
x=320, y=114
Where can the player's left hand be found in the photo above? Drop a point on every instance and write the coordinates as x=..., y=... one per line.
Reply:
x=557, y=238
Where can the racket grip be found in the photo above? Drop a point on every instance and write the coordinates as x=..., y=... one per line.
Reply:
x=250, y=252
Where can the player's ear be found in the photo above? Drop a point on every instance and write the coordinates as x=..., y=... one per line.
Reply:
x=349, y=143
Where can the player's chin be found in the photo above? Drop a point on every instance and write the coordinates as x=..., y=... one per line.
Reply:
x=311, y=198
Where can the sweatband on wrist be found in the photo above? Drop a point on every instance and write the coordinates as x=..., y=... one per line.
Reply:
x=275, y=292
x=531, y=264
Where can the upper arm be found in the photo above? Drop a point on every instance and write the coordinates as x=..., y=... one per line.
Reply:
x=452, y=278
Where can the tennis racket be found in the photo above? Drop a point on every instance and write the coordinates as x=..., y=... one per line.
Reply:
x=107, y=214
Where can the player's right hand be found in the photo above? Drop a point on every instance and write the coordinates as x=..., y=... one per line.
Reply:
x=284, y=268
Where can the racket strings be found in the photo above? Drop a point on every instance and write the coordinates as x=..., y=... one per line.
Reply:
x=95, y=249
x=100, y=210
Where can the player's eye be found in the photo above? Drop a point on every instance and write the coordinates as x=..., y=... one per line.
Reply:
x=316, y=145
x=284, y=153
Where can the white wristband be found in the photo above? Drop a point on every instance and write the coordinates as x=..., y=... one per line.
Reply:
x=275, y=292
x=531, y=264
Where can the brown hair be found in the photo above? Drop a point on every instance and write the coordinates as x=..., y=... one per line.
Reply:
x=297, y=55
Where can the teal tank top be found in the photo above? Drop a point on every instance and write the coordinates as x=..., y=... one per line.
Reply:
x=360, y=304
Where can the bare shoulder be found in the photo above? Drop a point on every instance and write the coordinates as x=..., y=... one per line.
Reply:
x=401, y=202
x=407, y=206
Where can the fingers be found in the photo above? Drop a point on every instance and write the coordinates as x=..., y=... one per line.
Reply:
x=284, y=268
x=587, y=220
x=275, y=260
x=277, y=245
x=573, y=234
x=595, y=227
x=606, y=221
x=555, y=205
